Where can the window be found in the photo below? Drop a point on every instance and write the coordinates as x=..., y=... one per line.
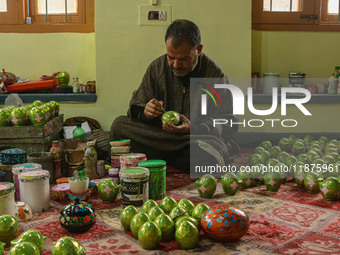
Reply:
x=308, y=15
x=46, y=16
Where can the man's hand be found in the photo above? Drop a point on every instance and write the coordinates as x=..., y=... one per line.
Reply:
x=184, y=128
x=153, y=109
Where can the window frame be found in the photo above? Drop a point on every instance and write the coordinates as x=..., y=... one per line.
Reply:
x=321, y=24
x=55, y=24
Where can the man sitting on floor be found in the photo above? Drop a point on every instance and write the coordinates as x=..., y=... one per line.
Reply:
x=166, y=85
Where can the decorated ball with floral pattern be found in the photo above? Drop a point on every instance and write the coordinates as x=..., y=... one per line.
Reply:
x=77, y=217
x=19, y=117
x=225, y=223
x=37, y=116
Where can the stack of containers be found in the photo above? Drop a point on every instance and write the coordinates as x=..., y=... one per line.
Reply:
x=119, y=148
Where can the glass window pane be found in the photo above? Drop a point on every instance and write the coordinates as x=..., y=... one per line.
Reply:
x=3, y=5
x=57, y=6
x=333, y=6
x=282, y=5
x=266, y=5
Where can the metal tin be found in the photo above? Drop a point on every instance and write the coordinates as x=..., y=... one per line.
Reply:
x=157, y=179
x=35, y=189
x=131, y=160
x=18, y=168
x=297, y=79
x=7, y=202
x=134, y=189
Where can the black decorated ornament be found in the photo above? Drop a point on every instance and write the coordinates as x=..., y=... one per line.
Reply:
x=77, y=217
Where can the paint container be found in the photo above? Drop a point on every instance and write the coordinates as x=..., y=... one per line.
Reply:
x=7, y=202
x=35, y=189
x=134, y=189
x=16, y=169
x=114, y=175
x=116, y=152
x=131, y=160
x=101, y=168
x=157, y=179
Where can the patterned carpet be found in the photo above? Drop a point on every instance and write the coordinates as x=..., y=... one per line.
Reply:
x=290, y=221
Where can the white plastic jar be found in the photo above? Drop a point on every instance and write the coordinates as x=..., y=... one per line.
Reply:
x=35, y=189
x=7, y=202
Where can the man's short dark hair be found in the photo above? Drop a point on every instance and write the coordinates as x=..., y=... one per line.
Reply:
x=182, y=30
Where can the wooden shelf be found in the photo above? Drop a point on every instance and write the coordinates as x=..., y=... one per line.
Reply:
x=29, y=98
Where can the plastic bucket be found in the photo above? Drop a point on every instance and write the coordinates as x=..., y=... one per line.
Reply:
x=157, y=179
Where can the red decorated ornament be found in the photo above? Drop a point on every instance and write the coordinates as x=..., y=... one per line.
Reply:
x=224, y=223
x=7, y=78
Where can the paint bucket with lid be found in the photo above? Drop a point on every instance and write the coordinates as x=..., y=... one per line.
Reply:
x=131, y=160
x=7, y=202
x=157, y=179
x=18, y=168
x=35, y=189
x=134, y=186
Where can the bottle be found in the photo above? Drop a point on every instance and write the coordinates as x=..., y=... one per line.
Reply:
x=79, y=132
x=56, y=150
x=90, y=160
x=337, y=77
x=76, y=85
x=332, y=84
x=57, y=154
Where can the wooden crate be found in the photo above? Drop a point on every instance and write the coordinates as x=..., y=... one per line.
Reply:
x=32, y=138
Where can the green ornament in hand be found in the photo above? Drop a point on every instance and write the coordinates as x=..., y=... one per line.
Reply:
x=170, y=117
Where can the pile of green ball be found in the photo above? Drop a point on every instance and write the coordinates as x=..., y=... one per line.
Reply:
x=164, y=222
x=37, y=114
x=307, y=158
x=31, y=242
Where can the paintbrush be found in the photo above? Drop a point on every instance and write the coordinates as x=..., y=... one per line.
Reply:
x=150, y=94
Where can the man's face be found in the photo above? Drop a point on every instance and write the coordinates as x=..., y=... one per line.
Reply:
x=183, y=59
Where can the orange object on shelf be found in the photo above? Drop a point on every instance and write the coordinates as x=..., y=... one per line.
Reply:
x=31, y=85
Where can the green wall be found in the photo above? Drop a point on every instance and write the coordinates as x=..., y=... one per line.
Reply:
x=314, y=53
x=119, y=51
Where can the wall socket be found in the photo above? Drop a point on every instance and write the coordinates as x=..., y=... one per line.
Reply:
x=163, y=11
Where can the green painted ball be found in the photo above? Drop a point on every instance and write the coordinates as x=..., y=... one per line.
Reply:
x=126, y=216
x=149, y=235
